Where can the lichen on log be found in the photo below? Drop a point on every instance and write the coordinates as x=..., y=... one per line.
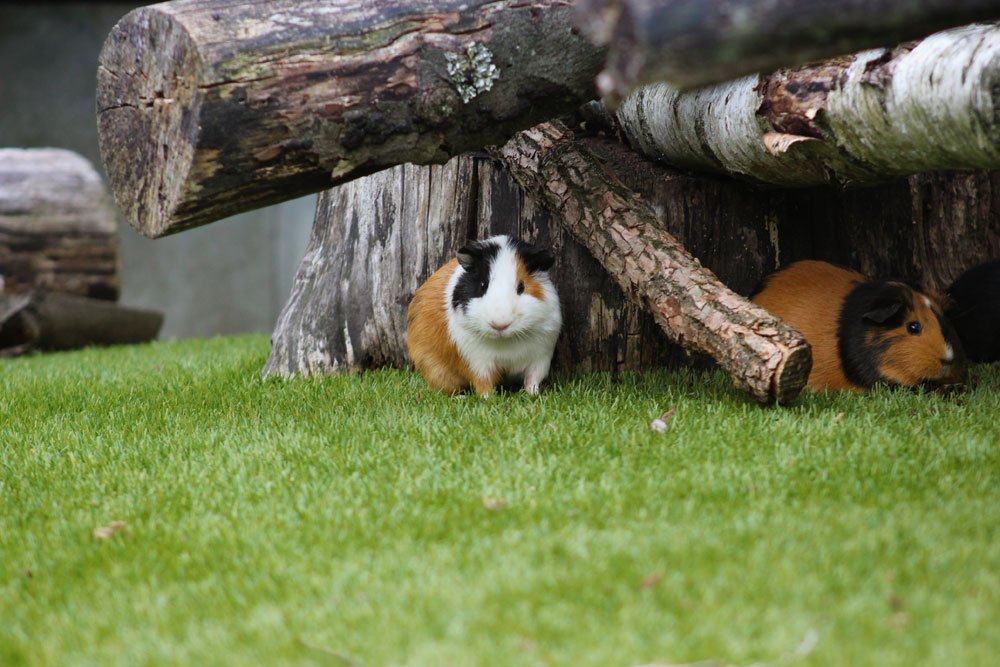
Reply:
x=208, y=107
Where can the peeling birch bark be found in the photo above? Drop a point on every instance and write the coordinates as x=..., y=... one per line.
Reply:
x=207, y=108
x=691, y=43
x=58, y=228
x=762, y=355
x=861, y=119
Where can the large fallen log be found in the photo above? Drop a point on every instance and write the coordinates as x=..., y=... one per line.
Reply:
x=691, y=43
x=58, y=228
x=860, y=119
x=210, y=107
x=762, y=355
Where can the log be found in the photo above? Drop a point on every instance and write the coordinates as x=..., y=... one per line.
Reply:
x=49, y=321
x=692, y=43
x=857, y=120
x=207, y=108
x=762, y=355
x=58, y=229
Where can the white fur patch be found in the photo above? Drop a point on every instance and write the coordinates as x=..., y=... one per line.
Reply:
x=524, y=347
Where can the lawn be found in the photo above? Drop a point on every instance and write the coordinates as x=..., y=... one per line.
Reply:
x=360, y=521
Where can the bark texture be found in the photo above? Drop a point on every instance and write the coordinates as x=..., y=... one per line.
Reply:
x=861, y=119
x=691, y=43
x=208, y=107
x=58, y=229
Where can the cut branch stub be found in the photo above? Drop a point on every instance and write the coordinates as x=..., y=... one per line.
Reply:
x=762, y=355
x=207, y=107
x=691, y=43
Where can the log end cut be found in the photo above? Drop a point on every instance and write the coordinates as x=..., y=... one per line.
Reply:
x=792, y=374
x=147, y=106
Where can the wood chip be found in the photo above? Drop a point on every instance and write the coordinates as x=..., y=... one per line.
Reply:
x=109, y=531
x=493, y=504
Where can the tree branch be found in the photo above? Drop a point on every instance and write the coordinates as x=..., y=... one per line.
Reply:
x=762, y=355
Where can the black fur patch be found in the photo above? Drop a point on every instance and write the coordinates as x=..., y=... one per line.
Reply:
x=869, y=312
x=535, y=259
x=476, y=258
x=975, y=311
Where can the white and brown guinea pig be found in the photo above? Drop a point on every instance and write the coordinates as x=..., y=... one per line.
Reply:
x=490, y=314
x=863, y=332
x=974, y=310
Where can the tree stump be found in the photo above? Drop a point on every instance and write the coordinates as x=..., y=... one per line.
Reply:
x=377, y=239
x=58, y=229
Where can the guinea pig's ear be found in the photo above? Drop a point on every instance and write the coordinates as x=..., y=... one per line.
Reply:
x=536, y=259
x=881, y=313
x=467, y=255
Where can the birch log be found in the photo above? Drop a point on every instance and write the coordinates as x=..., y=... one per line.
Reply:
x=762, y=355
x=207, y=108
x=58, y=228
x=690, y=43
x=929, y=106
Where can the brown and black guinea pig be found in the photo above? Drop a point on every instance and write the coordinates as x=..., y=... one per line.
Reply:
x=864, y=332
x=973, y=308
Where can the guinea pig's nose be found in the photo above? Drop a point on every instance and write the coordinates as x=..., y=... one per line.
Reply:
x=499, y=326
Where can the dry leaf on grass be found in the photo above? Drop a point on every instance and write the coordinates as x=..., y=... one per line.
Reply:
x=652, y=580
x=110, y=530
x=493, y=504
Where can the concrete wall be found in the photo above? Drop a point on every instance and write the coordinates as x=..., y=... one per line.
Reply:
x=228, y=277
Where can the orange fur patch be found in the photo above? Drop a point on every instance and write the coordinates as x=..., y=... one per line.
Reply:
x=809, y=295
x=431, y=349
x=531, y=286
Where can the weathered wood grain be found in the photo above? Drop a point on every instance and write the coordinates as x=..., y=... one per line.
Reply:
x=58, y=228
x=208, y=107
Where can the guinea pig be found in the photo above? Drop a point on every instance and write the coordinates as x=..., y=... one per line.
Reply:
x=974, y=309
x=863, y=332
x=489, y=314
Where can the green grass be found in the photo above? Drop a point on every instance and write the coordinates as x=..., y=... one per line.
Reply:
x=342, y=521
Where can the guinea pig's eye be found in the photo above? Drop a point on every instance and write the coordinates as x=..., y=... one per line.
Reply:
x=914, y=328
x=520, y=287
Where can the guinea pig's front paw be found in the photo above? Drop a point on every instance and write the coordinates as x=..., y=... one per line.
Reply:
x=531, y=388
